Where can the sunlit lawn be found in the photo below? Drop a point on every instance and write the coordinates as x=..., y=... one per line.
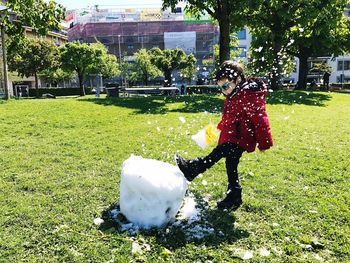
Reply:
x=61, y=162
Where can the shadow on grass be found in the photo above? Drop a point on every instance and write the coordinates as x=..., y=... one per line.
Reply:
x=298, y=97
x=347, y=91
x=201, y=103
x=213, y=228
x=159, y=104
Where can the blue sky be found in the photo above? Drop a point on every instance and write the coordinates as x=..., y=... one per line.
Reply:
x=73, y=4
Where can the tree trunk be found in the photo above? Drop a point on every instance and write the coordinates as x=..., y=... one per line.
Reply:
x=276, y=76
x=224, y=24
x=303, y=70
x=146, y=79
x=167, y=76
x=36, y=85
x=81, y=86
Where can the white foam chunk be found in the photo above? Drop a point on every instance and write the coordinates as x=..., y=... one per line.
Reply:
x=189, y=210
x=199, y=138
x=151, y=191
x=206, y=136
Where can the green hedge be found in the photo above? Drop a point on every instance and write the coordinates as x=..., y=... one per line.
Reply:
x=59, y=91
x=339, y=85
x=203, y=89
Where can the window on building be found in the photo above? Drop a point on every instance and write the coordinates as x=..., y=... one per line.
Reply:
x=130, y=46
x=295, y=69
x=242, y=34
x=206, y=45
x=155, y=39
x=129, y=40
x=178, y=9
x=346, y=64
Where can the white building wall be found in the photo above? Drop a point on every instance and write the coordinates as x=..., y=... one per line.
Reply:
x=336, y=65
x=245, y=43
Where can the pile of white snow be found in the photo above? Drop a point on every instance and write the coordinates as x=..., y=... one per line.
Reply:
x=151, y=191
x=189, y=210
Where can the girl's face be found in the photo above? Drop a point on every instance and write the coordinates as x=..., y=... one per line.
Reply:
x=227, y=86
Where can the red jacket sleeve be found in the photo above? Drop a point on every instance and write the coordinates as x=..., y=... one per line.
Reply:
x=256, y=112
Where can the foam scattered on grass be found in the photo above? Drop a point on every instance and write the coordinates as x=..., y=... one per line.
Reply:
x=189, y=221
x=182, y=119
x=98, y=221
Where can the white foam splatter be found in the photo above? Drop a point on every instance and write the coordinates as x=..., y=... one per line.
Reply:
x=98, y=221
x=189, y=210
x=264, y=252
x=182, y=119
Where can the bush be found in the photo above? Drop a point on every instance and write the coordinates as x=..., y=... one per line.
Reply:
x=59, y=91
x=339, y=85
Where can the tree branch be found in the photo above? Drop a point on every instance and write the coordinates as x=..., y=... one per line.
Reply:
x=201, y=5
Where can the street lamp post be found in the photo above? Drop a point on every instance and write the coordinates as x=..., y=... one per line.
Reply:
x=120, y=53
x=4, y=57
x=120, y=57
x=343, y=75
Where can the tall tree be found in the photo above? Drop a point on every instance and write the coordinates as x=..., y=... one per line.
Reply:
x=56, y=73
x=33, y=56
x=261, y=61
x=235, y=51
x=143, y=69
x=106, y=64
x=228, y=14
x=323, y=30
x=271, y=20
x=85, y=59
x=169, y=60
x=188, y=73
x=41, y=15
x=301, y=28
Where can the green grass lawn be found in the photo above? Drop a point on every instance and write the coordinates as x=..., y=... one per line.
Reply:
x=61, y=163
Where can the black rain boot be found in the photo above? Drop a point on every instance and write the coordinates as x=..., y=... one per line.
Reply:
x=233, y=199
x=190, y=168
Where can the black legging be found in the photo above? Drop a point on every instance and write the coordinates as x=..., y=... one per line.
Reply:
x=233, y=153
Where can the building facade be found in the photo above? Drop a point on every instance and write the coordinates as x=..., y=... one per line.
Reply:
x=125, y=31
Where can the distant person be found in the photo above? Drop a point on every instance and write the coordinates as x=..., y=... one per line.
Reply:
x=182, y=89
x=244, y=124
x=326, y=76
x=313, y=84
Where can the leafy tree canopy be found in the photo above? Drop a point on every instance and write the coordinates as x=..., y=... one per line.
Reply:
x=188, y=73
x=169, y=60
x=31, y=56
x=87, y=59
x=300, y=28
x=143, y=69
x=41, y=15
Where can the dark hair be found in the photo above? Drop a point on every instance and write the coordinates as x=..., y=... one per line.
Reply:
x=230, y=70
